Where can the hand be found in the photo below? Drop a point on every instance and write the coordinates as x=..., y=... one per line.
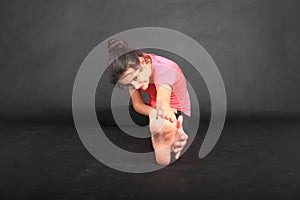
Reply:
x=180, y=139
x=166, y=113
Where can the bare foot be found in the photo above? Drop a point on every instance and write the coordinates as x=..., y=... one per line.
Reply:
x=180, y=139
x=163, y=134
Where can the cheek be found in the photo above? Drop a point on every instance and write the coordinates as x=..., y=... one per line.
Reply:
x=145, y=76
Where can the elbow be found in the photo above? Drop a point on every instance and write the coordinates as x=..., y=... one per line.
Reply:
x=137, y=107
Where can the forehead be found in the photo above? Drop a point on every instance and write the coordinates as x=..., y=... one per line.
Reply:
x=127, y=75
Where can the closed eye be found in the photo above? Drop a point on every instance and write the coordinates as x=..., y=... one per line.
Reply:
x=130, y=86
x=134, y=79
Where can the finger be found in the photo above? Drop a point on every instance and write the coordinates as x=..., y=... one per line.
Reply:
x=164, y=115
x=160, y=113
x=173, y=119
x=169, y=118
x=174, y=110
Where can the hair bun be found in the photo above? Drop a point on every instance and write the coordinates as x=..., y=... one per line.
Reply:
x=116, y=47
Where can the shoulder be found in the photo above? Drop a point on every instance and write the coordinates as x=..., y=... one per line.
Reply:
x=156, y=59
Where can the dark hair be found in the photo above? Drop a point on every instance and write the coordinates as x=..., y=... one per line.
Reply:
x=121, y=57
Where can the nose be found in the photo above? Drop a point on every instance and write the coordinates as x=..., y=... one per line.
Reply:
x=136, y=84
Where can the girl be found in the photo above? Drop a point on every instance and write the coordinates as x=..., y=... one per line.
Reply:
x=165, y=84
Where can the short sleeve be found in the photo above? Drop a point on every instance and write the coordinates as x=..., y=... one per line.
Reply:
x=164, y=75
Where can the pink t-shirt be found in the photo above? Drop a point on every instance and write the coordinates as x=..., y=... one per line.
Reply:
x=165, y=71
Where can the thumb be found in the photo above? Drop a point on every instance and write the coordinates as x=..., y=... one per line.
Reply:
x=179, y=122
x=174, y=110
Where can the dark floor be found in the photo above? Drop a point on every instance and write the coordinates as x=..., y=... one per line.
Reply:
x=252, y=160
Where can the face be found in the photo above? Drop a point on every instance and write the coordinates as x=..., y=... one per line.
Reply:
x=136, y=79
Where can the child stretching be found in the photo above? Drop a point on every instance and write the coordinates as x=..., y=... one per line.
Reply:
x=165, y=84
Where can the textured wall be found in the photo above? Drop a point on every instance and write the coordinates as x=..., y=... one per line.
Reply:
x=254, y=43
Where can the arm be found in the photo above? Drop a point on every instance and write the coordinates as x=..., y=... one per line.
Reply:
x=138, y=103
x=163, y=102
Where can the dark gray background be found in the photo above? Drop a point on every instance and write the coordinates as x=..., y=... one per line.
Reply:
x=254, y=43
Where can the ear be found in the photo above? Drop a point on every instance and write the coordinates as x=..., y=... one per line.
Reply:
x=142, y=60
